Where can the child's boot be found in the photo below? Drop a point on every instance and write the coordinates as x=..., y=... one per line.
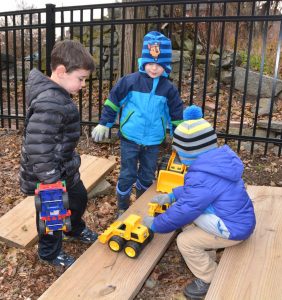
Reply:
x=139, y=192
x=123, y=200
x=140, y=189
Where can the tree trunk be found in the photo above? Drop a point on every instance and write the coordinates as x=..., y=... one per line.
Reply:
x=126, y=54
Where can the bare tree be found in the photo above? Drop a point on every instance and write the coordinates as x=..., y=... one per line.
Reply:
x=130, y=31
x=22, y=5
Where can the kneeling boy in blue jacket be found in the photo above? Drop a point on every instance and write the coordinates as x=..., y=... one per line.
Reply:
x=213, y=198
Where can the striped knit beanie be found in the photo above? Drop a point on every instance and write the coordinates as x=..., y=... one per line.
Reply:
x=194, y=136
x=156, y=49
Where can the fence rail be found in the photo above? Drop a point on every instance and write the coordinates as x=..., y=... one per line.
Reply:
x=226, y=58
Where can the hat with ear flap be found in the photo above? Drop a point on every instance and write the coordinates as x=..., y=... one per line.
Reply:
x=194, y=136
x=156, y=49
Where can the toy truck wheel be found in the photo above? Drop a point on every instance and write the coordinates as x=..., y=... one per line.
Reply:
x=132, y=249
x=68, y=224
x=37, y=202
x=116, y=243
x=66, y=200
x=41, y=227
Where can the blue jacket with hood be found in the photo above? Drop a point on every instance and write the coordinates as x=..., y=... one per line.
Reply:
x=213, y=197
x=147, y=106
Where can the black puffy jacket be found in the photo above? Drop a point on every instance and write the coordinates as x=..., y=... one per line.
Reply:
x=52, y=131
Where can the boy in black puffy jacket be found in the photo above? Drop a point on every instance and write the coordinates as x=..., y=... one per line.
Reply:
x=52, y=131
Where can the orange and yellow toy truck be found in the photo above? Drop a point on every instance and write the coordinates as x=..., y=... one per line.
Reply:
x=52, y=205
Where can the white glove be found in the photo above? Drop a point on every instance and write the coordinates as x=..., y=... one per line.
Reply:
x=100, y=132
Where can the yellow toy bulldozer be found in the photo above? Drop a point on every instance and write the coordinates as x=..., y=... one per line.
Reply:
x=156, y=209
x=129, y=235
x=172, y=176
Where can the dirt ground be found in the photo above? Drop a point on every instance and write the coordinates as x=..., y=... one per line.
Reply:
x=22, y=276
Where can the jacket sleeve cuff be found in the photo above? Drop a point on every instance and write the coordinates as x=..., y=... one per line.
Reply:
x=177, y=191
x=153, y=227
x=105, y=123
x=171, y=197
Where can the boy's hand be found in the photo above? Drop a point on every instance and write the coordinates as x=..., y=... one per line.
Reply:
x=162, y=199
x=148, y=221
x=100, y=132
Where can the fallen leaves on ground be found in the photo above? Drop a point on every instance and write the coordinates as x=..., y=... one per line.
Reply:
x=23, y=276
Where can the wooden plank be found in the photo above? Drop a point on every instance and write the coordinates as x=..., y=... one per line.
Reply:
x=252, y=270
x=17, y=227
x=86, y=160
x=90, y=175
x=94, y=170
x=100, y=273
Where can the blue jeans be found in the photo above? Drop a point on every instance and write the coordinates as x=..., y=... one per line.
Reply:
x=138, y=165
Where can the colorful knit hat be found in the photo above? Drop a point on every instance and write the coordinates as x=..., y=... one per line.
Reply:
x=156, y=49
x=194, y=136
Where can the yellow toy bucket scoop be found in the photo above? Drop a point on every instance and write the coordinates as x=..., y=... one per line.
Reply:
x=172, y=176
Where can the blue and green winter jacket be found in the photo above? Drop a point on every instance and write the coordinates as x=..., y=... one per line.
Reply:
x=147, y=106
x=213, y=197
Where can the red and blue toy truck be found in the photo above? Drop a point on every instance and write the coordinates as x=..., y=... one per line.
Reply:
x=52, y=204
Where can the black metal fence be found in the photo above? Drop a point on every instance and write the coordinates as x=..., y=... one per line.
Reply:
x=226, y=58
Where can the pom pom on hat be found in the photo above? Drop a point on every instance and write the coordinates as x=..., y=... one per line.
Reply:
x=194, y=136
x=192, y=112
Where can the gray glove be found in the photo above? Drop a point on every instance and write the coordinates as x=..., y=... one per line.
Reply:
x=148, y=221
x=100, y=132
x=161, y=199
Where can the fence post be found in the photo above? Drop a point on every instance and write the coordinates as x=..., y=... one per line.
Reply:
x=50, y=34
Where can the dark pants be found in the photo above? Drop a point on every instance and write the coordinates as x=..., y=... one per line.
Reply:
x=49, y=246
x=138, y=165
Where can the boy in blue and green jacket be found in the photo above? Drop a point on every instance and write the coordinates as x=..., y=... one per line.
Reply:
x=147, y=103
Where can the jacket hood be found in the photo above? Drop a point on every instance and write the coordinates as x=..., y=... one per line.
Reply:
x=38, y=83
x=222, y=162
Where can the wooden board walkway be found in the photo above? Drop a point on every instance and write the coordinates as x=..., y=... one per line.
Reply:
x=100, y=273
x=17, y=227
x=252, y=270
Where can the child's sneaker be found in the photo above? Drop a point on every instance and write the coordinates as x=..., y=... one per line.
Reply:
x=197, y=289
x=63, y=260
x=87, y=236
